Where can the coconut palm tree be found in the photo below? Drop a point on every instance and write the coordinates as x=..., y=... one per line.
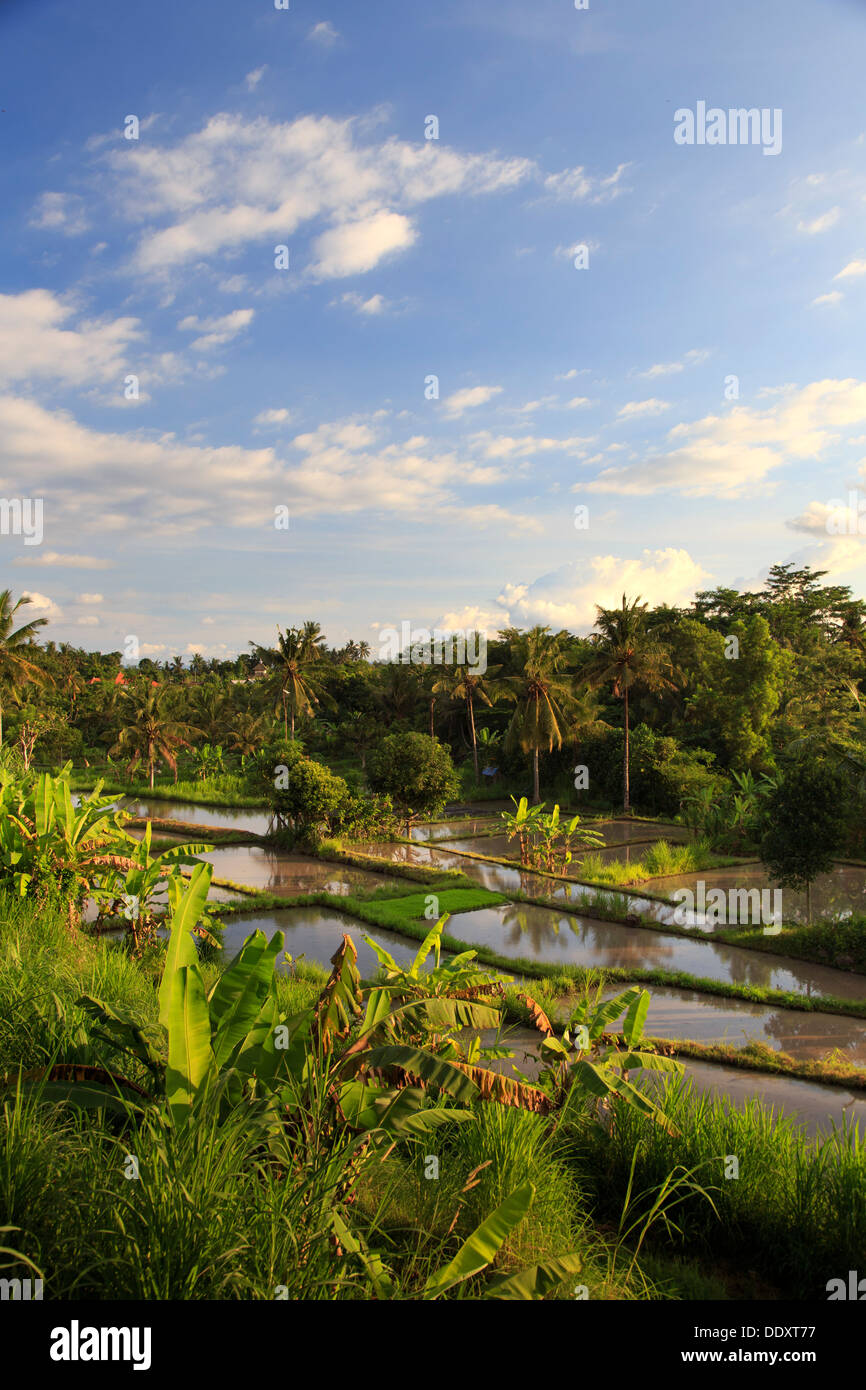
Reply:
x=152, y=732
x=249, y=733
x=299, y=688
x=470, y=687
x=211, y=710
x=626, y=654
x=14, y=666
x=543, y=691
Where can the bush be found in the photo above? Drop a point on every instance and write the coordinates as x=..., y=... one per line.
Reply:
x=416, y=771
x=662, y=773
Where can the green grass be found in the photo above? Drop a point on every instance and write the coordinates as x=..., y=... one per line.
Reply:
x=214, y=1214
x=227, y=789
x=796, y=1213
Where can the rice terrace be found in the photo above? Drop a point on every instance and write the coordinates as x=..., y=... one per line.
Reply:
x=432, y=672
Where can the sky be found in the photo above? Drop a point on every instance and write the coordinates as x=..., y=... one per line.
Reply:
x=506, y=291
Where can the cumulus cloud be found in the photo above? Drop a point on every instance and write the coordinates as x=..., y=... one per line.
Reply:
x=356, y=247
x=815, y=225
x=74, y=562
x=41, y=606
x=733, y=455
x=634, y=410
x=576, y=185
x=268, y=419
x=376, y=304
x=468, y=398
x=216, y=331
x=323, y=33
x=238, y=181
x=567, y=596
x=38, y=341
x=60, y=212
x=162, y=486
x=90, y=598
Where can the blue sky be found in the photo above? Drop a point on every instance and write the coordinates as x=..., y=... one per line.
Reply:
x=304, y=388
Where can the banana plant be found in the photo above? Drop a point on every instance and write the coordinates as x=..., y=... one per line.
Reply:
x=301, y=1073
x=453, y=995
x=132, y=895
x=474, y=1257
x=48, y=844
x=591, y=1062
x=523, y=822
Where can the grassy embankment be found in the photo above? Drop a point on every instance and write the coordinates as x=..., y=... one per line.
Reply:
x=208, y=1218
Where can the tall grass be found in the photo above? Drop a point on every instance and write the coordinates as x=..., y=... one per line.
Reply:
x=797, y=1211
x=661, y=860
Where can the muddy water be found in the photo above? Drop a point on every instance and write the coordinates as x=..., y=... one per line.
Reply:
x=277, y=871
x=817, y=1108
x=452, y=829
x=558, y=938
x=680, y=1013
x=836, y=894
x=225, y=816
x=315, y=933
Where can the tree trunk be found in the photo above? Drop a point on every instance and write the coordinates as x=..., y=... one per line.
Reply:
x=536, y=789
x=809, y=903
x=625, y=804
x=293, y=724
x=1, y=723
x=474, y=740
x=151, y=774
x=432, y=707
x=286, y=717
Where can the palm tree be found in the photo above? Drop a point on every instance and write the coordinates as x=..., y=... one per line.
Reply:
x=248, y=733
x=468, y=686
x=543, y=693
x=14, y=666
x=299, y=689
x=398, y=694
x=627, y=655
x=211, y=710
x=152, y=732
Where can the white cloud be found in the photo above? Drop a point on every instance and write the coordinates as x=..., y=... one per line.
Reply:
x=356, y=247
x=75, y=562
x=40, y=606
x=60, y=212
x=503, y=446
x=253, y=78
x=217, y=330
x=91, y=620
x=732, y=455
x=693, y=358
x=468, y=398
x=162, y=487
x=90, y=598
x=567, y=596
x=376, y=304
x=576, y=185
x=240, y=180
x=638, y=409
x=833, y=297
x=323, y=33
x=852, y=270
x=270, y=418
x=822, y=223
x=36, y=341
x=578, y=403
